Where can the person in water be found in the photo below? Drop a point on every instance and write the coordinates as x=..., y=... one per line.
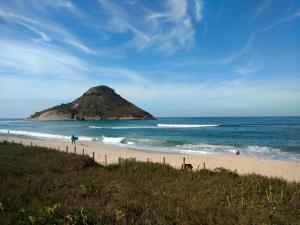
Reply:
x=73, y=138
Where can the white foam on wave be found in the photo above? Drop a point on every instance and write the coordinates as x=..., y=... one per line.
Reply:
x=12, y=121
x=186, y=125
x=191, y=149
x=251, y=150
x=95, y=127
x=135, y=127
x=112, y=140
x=202, y=148
x=43, y=135
x=160, y=125
x=206, y=148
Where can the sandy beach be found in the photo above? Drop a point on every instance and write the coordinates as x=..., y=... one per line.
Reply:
x=241, y=164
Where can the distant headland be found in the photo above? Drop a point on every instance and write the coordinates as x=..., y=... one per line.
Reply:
x=98, y=103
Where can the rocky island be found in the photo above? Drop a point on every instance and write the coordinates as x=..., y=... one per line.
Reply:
x=98, y=103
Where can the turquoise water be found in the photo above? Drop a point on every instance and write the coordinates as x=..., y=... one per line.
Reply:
x=265, y=137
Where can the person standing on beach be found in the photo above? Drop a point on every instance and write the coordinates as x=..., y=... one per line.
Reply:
x=73, y=138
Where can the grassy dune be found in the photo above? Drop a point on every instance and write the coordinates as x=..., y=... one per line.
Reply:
x=41, y=186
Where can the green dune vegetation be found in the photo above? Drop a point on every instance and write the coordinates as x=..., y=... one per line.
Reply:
x=43, y=186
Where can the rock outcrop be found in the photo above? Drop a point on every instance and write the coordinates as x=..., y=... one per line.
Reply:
x=98, y=103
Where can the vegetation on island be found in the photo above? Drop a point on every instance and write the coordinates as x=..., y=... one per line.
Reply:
x=98, y=103
x=43, y=186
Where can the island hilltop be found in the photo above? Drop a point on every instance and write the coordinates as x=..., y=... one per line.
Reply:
x=98, y=103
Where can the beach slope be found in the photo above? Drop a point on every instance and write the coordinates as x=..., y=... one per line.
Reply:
x=289, y=171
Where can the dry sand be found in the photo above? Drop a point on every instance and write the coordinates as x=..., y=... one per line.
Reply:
x=243, y=165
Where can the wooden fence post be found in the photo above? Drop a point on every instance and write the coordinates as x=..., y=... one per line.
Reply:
x=147, y=159
x=94, y=156
x=164, y=160
x=83, y=151
x=58, y=148
x=204, y=165
x=67, y=149
x=75, y=149
x=31, y=143
x=13, y=141
x=183, y=162
x=105, y=159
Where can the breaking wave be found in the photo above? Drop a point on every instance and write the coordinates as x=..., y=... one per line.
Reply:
x=43, y=135
x=251, y=150
x=158, y=126
x=173, y=146
x=201, y=148
x=112, y=140
x=13, y=121
x=125, y=127
x=186, y=125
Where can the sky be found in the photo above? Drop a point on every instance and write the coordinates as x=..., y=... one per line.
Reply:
x=172, y=58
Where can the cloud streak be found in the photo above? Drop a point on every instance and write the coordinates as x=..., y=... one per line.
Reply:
x=262, y=8
x=166, y=30
x=283, y=20
x=252, y=66
x=47, y=32
x=198, y=10
x=224, y=60
x=45, y=61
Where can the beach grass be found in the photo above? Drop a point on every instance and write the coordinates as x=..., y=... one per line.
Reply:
x=42, y=186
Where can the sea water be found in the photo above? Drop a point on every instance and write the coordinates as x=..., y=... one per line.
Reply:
x=265, y=137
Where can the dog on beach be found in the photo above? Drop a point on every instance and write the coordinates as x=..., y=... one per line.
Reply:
x=187, y=166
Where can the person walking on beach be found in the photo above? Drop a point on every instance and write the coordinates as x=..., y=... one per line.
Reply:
x=73, y=138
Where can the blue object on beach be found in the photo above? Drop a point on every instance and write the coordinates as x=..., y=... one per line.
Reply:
x=74, y=138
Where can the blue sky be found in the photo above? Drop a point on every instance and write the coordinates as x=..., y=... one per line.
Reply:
x=172, y=58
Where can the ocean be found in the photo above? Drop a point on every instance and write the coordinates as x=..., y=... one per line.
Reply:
x=276, y=138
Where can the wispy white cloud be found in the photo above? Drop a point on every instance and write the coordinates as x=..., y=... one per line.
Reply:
x=46, y=61
x=252, y=66
x=38, y=60
x=44, y=36
x=198, y=10
x=262, y=7
x=44, y=6
x=283, y=20
x=224, y=60
x=167, y=30
x=237, y=54
x=163, y=29
x=65, y=4
x=45, y=29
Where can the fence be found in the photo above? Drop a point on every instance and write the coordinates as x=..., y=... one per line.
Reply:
x=120, y=160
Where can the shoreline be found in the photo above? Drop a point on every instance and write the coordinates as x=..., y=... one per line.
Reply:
x=289, y=171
